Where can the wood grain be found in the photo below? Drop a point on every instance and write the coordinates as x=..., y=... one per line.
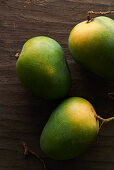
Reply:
x=22, y=115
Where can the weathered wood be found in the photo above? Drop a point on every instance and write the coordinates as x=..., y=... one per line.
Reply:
x=22, y=115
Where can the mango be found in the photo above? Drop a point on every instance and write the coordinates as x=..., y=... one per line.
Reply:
x=92, y=45
x=70, y=130
x=42, y=68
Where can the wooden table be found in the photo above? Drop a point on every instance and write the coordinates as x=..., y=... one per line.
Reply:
x=22, y=115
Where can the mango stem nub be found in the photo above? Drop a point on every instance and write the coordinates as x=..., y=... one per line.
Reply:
x=97, y=13
x=17, y=55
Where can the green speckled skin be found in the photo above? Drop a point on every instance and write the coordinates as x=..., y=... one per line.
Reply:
x=92, y=45
x=70, y=130
x=42, y=68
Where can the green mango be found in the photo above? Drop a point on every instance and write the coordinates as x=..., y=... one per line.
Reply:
x=92, y=45
x=70, y=130
x=42, y=68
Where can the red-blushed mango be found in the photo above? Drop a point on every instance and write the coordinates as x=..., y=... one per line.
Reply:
x=92, y=45
x=70, y=130
x=42, y=68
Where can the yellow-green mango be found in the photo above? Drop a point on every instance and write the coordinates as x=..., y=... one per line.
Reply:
x=92, y=45
x=42, y=68
x=70, y=130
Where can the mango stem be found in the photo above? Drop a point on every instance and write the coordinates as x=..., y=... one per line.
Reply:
x=17, y=55
x=104, y=120
x=27, y=151
x=97, y=13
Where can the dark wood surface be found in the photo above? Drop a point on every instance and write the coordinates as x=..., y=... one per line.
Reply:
x=22, y=115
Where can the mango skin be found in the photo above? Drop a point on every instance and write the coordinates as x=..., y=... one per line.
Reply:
x=42, y=68
x=70, y=130
x=92, y=45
